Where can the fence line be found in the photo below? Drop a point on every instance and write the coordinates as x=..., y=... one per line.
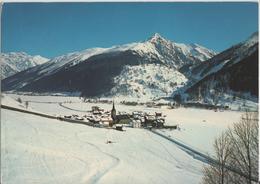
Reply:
x=46, y=115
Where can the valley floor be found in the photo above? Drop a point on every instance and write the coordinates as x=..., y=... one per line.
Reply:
x=40, y=150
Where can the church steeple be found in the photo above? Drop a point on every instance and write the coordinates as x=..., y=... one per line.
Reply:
x=113, y=112
x=113, y=106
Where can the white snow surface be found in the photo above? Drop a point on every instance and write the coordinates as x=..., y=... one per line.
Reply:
x=11, y=101
x=252, y=40
x=40, y=150
x=214, y=69
x=68, y=60
x=195, y=124
x=15, y=62
x=199, y=127
x=147, y=81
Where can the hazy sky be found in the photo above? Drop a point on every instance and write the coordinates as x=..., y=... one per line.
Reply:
x=52, y=29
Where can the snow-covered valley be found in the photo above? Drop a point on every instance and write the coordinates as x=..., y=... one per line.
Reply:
x=129, y=93
x=40, y=150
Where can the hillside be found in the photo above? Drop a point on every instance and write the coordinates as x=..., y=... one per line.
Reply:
x=95, y=72
x=14, y=62
x=229, y=74
x=238, y=80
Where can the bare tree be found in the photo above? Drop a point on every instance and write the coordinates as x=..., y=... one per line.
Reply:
x=244, y=141
x=215, y=97
x=219, y=174
x=26, y=104
x=211, y=175
x=223, y=151
x=238, y=148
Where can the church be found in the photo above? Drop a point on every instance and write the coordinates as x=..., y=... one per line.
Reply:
x=120, y=118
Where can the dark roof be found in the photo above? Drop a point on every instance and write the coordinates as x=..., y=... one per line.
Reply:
x=122, y=116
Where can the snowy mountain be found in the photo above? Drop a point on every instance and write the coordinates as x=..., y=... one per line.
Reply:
x=234, y=72
x=147, y=81
x=150, y=69
x=157, y=47
x=226, y=58
x=15, y=62
x=111, y=71
x=179, y=54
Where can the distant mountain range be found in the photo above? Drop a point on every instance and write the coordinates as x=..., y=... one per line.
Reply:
x=233, y=72
x=154, y=68
x=14, y=62
x=97, y=71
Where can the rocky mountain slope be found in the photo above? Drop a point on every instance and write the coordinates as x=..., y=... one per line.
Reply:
x=114, y=71
x=233, y=72
x=14, y=62
x=226, y=58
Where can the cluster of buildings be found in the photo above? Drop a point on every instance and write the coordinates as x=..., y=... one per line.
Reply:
x=142, y=119
x=137, y=119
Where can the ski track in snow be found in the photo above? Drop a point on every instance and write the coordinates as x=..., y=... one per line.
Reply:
x=42, y=158
x=98, y=176
x=45, y=162
x=181, y=165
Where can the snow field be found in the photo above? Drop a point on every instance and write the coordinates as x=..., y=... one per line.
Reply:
x=71, y=153
x=40, y=150
x=195, y=124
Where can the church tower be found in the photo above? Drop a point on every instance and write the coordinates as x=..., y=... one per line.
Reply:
x=113, y=112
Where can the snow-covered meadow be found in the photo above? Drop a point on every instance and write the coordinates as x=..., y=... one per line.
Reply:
x=40, y=150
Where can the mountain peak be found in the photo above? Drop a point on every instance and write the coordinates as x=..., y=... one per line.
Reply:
x=194, y=45
x=254, y=37
x=14, y=62
x=252, y=40
x=255, y=34
x=156, y=37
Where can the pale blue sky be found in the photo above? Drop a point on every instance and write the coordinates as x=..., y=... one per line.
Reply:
x=52, y=29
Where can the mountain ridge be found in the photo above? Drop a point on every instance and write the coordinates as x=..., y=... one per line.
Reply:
x=157, y=52
x=150, y=69
x=14, y=62
x=221, y=75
